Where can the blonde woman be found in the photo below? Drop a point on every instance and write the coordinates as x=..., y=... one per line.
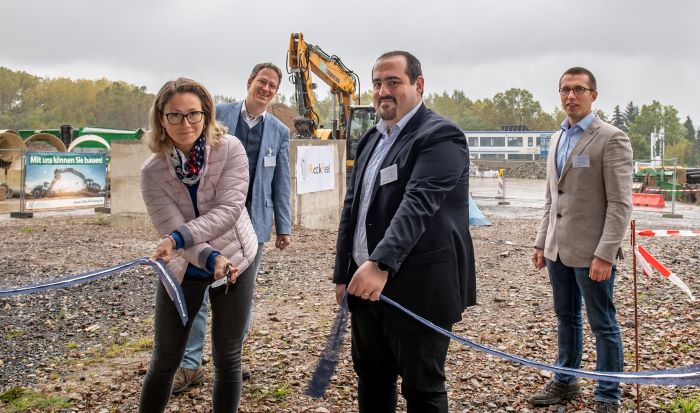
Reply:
x=195, y=186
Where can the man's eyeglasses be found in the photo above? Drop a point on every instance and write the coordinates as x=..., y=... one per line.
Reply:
x=578, y=90
x=177, y=118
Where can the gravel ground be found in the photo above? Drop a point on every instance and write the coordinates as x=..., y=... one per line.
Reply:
x=91, y=343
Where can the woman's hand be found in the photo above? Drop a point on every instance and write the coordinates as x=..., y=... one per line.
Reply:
x=164, y=250
x=220, y=266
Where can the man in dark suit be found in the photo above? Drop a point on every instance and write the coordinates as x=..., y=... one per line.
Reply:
x=404, y=233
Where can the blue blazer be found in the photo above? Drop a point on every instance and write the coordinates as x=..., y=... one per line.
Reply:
x=271, y=185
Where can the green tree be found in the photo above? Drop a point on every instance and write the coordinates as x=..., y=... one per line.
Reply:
x=618, y=119
x=366, y=97
x=631, y=113
x=13, y=87
x=456, y=107
x=689, y=128
x=30, y=102
x=121, y=105
x=694, y=158
x=324, y=110
x=59, y=101
x=516, y=107
x=681, y=150
x=601, y=115
x=653, y=117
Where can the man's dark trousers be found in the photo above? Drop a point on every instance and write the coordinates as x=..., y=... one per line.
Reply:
x=386, y=344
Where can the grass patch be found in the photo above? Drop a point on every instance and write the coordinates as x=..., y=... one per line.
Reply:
x=256, y=393
x=27, y=230
x=681, y=405
x=60, y=315
x=18, y=332
x=19, y=399
x=140, y=344
x=102, y=220
x=279, y=393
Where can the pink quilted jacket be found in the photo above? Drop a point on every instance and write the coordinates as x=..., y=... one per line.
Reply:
x=223, y=223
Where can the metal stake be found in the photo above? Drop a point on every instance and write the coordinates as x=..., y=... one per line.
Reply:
x=633, y=241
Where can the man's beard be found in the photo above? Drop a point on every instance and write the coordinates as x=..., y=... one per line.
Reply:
x=387, y=114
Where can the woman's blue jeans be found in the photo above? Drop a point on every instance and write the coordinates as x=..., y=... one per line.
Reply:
x=571, y=287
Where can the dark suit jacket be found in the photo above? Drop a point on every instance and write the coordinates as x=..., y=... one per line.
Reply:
x=418, y=225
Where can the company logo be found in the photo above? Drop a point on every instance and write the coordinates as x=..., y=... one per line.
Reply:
x=310, y=169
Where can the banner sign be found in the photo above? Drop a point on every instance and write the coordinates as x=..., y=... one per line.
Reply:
x=314, y=169
x=58, y=180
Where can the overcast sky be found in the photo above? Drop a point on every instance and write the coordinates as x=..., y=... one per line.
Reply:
x=639, y=50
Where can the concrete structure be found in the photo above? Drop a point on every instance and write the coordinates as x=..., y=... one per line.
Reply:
x=128, y=208
x=316, y=210
x=11, y=149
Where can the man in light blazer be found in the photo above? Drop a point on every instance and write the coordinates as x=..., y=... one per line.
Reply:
x=404, y=233
x=588, y=203
x=266, y=141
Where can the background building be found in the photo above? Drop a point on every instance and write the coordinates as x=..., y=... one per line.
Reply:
x=510, y=143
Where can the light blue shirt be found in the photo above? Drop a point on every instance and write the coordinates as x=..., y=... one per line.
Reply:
x=387, y=138
x=569, y=137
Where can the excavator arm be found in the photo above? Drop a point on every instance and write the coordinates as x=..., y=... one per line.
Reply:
x=89, y=184
x=304, y=59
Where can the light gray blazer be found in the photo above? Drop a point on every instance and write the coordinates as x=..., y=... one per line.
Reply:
x=587, y=210
x=271, y=185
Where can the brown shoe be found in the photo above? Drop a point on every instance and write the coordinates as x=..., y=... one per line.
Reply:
x=555, y=393
x=245, y=369
x=602, y=407
x=185, y=378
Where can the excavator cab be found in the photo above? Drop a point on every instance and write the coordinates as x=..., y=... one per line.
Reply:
x=361, y=119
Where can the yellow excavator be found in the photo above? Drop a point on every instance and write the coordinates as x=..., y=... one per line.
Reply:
x=355, y=120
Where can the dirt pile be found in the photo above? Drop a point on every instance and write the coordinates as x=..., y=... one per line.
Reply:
x=529, y=170
x=285, y=114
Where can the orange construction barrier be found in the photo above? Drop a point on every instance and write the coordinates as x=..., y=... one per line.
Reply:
x=648, y=200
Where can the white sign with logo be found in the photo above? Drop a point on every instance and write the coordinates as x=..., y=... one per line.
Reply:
x=314, y=169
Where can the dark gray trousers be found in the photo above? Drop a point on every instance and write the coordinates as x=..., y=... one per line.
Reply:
x=229, y=314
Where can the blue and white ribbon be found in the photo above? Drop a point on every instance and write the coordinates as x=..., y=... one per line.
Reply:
x=329, y=356
x=169, y=281
x=683, y=376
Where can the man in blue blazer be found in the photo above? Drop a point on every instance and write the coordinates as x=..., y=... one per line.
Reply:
x=266, y=141
x=404, y=233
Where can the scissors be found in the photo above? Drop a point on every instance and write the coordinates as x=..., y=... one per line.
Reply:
x=225, y=280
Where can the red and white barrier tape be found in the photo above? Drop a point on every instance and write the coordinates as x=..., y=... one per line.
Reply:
x=647, y=261
x=656, y=191
x=668, y=233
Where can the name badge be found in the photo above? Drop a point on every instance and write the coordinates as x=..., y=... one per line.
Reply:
x=269, y=160
x=581, y=161
x=388, y=174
